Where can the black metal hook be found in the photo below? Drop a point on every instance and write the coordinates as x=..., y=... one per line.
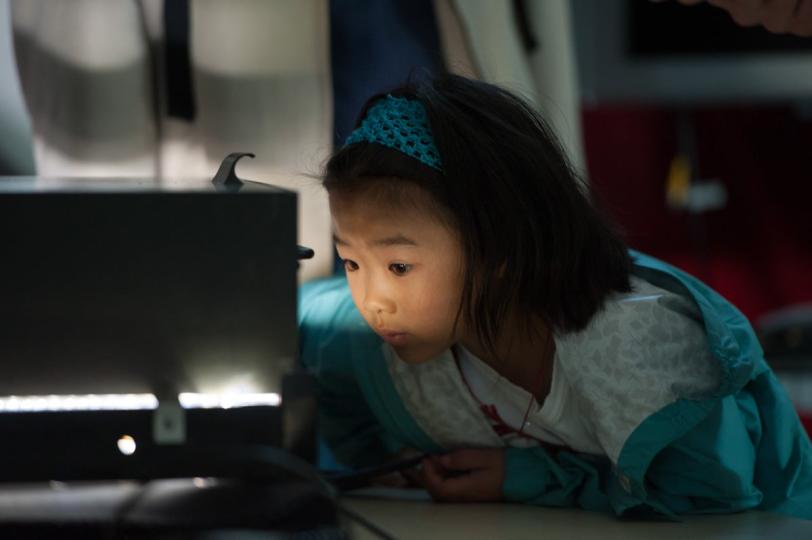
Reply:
x=226, y=177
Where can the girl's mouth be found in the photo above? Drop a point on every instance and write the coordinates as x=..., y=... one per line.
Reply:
x=394, y=338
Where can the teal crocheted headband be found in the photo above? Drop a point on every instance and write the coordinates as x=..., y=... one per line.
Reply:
x=402, y=124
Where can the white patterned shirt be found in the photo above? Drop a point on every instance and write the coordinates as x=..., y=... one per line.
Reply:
x=644, y=350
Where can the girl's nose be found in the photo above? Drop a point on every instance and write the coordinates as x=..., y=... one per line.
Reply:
x=377, y=302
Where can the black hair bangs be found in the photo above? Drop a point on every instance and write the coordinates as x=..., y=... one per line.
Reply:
x=535, y=242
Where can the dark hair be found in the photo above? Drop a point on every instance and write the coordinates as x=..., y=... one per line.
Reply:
x=531, y=236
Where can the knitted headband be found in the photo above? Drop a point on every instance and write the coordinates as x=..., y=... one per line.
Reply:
x=402, y=124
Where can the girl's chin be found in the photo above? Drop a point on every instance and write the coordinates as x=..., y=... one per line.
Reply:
x=416, y=355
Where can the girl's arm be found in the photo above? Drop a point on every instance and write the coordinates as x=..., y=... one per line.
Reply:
x=750, y=451
x=346, y=424
x=714, y=455
x=539, y=476
x=563, y=479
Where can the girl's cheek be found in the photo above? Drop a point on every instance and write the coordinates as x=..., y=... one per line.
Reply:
x=355, y=290
x=426, y=299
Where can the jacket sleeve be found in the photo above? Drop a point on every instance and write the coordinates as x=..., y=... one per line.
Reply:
x=556, y=478
x=327, y=320
x=750, y=451
x=709, y=469
x=740, y=452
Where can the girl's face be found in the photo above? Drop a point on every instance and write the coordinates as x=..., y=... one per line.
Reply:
x=404, y=268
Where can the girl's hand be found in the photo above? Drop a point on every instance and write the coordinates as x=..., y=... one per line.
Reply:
x=469, y=475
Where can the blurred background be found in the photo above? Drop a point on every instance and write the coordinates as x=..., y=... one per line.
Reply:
x=695, y=131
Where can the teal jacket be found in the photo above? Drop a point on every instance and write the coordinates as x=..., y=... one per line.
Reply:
x=742, y=447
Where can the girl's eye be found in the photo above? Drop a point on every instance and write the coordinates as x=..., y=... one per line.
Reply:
x=350, y=266
x=400, y=269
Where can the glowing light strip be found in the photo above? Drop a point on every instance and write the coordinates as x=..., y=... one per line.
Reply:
x=87, y=402
x=133, y=402
x=190, y=400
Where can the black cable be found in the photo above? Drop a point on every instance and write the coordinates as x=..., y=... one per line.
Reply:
x=309, y=473
x=361, y=520
x=125, y=508
x=257, y=463
x=345, y=481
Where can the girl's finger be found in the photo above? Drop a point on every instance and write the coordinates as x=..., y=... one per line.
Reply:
x=743, y=12
x=430, y=476
x=777, y=18
x=801, y=24
x=439, y=487
x=478, y=486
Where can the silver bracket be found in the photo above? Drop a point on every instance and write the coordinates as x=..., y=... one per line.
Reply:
x=169, y=422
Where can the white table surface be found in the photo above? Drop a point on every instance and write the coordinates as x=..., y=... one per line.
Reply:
x=426, y=520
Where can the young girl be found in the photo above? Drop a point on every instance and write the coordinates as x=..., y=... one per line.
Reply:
x=491, y=316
